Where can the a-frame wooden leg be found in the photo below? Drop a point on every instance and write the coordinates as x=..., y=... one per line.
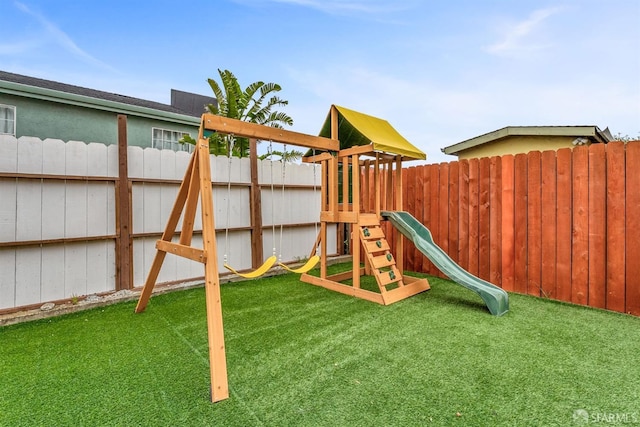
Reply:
x=169, y=231
x=217, y=356
x=197, y=182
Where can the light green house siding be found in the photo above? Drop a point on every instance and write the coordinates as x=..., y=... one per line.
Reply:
x=46, y=113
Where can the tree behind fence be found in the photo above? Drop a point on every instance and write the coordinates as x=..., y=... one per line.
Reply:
x=563, y=225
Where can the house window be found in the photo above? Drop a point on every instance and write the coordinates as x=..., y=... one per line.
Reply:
x=7, y=120
x=164, y=139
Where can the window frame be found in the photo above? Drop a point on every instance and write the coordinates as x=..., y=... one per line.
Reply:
x=15, y=116
x=174, y=145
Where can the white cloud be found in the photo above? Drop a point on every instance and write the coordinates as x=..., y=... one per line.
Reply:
x=432, y=115
x=61, y=38
x=522, y=37
x=346, y=6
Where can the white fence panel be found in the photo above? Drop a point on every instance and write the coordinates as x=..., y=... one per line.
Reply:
x=27, y=275
x=75, y=269
x=29, y=155
x=53, y=273
x=8, y=153
x=76, y=158
x=8, y=207
x=34, y=209
x=53, y=153
x=54, y=191
x=29, y=210
x=7, y=277
x=112, y=161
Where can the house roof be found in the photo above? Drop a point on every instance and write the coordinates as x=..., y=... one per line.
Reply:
x=356, y=128
x=62, y=92
x=592, y=133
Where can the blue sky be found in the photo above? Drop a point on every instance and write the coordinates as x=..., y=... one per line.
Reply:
x=439, y=71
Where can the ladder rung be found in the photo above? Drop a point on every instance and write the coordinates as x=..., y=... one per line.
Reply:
x=386, y=278
x=368, y=219
x=373, y=246
x=382, y=261
x=373, y=233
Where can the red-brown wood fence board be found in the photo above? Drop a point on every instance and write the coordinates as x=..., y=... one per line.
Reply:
x=534, y=224
x=454, y=212
x=443, y=214
x=564, y=224
x=409, y=198
x=463, y=214
x=495, y=220
x=474, y=197
x=508, y=223
x=633, y=229
x=520, y=203
x=435, y=208
x=558, y=224
x=484, y=223
x=615, y=231
x=597, y=226
x=419, y=209
x=427, y=266
x=580, y=233
x=549, y=224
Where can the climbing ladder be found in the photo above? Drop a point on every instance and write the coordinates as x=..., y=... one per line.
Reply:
x=379, y=260
x=380, y=263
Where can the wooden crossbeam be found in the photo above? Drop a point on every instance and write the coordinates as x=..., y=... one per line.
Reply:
x=194, y=254
x=235, y=127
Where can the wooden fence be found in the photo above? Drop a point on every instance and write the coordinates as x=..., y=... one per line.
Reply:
x=563, y=225
x=64, y=232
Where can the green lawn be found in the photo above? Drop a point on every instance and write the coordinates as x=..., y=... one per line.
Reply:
x=299, y=355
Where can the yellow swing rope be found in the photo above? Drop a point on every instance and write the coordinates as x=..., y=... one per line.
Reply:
x=311, y=262
x=271, y=260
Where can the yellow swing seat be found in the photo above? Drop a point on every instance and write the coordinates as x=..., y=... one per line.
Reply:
x=303, y=269
x=255, y=273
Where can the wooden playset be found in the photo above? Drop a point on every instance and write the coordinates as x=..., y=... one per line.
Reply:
x=354, y=147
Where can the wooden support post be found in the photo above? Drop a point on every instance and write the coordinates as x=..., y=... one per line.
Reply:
x=384, y=186
x=367, y=191
x=333, y=188
x=217, y=356
x=376, y=185
x=255, y=207
x=390, y=189
x=398, y=207
x=124, y=248
x=323, y=249
x=355, y=240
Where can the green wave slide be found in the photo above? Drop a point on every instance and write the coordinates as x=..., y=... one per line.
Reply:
x=495, y=298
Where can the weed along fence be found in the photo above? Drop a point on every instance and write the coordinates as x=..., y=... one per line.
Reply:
x=563, y=225
x=72, y=223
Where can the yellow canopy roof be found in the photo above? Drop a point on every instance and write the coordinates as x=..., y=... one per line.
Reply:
x=356, y=128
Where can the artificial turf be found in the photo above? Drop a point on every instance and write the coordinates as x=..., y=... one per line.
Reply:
x=299, y=355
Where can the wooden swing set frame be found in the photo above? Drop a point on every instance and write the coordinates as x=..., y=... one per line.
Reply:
x=378, y=258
